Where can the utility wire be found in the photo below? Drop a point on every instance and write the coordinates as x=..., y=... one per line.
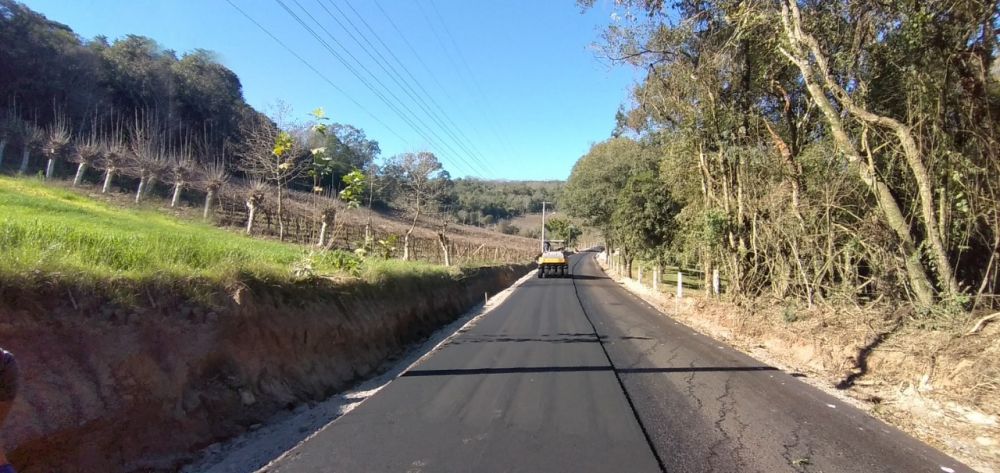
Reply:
x=398, y=107
x=419, y=85
x=366, y=45
x=315, y=70
x=472, y=78
x=417, y=56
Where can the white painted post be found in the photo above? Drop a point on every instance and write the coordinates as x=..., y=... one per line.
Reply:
x=640, y=273
x=680, y=284
x=656, y=278
x=715, y=281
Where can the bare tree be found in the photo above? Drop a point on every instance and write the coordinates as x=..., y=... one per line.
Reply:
x=182, y=168
x=255, y=198
x=149, y=158
x=31, y=137
x=114, y=156
x=423, y=181
x=214, y=175
x=86, y=154
x=57, y=142
x=272, y=155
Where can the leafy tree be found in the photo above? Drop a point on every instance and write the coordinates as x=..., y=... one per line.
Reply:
x=423, y=182
x=562, y=229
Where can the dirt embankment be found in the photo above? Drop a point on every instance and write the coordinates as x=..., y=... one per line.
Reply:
x=113, y=388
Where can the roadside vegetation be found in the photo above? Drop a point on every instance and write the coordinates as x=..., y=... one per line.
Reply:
x=54, y=231
x=833, y=153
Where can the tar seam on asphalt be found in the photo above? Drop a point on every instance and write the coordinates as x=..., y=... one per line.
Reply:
x=618, y=377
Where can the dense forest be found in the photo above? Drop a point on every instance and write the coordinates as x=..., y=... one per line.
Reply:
x=826, y=151
x=129, y=109
x=486, y=202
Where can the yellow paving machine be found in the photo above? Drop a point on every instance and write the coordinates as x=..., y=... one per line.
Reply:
x=552, y=262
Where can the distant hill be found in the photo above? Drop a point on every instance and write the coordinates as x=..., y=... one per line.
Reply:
x=487, y=202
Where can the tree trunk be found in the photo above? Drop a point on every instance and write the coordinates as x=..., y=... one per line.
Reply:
x=3, y=147
x=406, y=245
x=50, y=168
x=80, y=169
x=406, y=237
x=322, y=234
x=329, y=217
x=209, y=198
x=911, y=152
x=108, y=177
x=25, y=158
x=445, y=250
x=142, y=188
x=281, y=219
x=252, y=212
x=893, y=216
x=177, y=194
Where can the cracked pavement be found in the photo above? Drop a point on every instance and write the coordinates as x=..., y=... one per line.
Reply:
x=531, y=387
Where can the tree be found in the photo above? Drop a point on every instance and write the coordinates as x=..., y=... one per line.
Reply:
x=591, y=193
x=213, y=175
x=562, y=229
x=423, y=182
x=148, y=152
x=349, y=148
x=644, y=218
x=272, y=155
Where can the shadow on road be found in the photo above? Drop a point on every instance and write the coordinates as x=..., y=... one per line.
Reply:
x=560, y=338
x=583, y=369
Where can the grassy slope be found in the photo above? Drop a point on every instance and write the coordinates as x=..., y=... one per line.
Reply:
x=49, y=230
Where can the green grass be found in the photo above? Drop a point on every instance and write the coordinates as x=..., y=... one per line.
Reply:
x=53, y=231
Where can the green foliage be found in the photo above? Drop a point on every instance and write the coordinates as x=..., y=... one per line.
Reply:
x=282, y=145
x=354, y=188
x=43, y=60
x=562, y=229
x=474, y=199
x=592, y=190
x=387, y=248
x=342, y=261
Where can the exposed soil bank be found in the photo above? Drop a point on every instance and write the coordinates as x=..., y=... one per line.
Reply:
x=139, y=389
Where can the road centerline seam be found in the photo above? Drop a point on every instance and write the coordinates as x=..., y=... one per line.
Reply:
x=618, y=378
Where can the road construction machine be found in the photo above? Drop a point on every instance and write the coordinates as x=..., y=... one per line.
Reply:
x=552, y=263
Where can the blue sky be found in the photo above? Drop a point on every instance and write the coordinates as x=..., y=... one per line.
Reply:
x=518, y=79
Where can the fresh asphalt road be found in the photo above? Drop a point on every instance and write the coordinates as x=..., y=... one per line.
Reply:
x=578, y=375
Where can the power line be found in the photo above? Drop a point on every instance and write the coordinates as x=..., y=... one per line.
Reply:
x=320, y=74
x=393, y=74
x=458, y=52
x=405, y=69
x=416, y=54
x=398, y=107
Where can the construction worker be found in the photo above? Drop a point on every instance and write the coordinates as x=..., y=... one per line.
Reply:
x=8, y=391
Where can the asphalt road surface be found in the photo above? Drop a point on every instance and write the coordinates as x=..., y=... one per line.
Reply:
x=578, y=375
